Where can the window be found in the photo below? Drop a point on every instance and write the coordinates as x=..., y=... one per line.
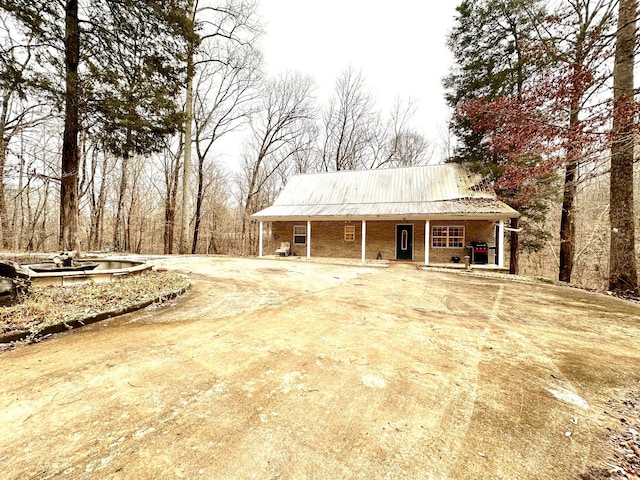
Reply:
x=349, y=233
x=447, y=237
x=299, y=234
x=404, y=242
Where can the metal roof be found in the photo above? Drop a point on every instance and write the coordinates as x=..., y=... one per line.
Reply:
x=425, y=191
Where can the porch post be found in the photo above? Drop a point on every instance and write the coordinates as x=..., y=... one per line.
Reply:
x=426, y=242
x=364, y=240
x=260, y=235
x=501, y=244
x=308, y=238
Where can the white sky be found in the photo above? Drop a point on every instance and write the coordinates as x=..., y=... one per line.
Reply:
x=398, y=45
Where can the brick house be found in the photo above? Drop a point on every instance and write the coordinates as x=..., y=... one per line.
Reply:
x=431, y=213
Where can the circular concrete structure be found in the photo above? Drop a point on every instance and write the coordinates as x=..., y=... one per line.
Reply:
x=83, y=271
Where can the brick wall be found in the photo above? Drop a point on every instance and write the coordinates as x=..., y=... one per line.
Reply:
x=474, y=231
x=328, y=239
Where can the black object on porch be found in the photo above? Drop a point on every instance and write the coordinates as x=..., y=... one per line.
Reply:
x=479, y=253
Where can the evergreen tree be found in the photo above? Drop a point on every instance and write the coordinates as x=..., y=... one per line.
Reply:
x=546, y=115
x=495, y=51
x=490, y=42
x=134, y=83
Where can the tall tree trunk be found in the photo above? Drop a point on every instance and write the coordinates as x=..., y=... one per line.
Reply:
x=567, y=224
x=118, y=234
x=70, y=158
x=245, y=233
x=199, y=199
x=40, y=210
x=43, y=228
x=27, y=224
x=171, y=180
x=212, y=247
x=18, y=201
x=169, y=222
x=188, y=121
x=97, y=208
x=131, y=210
x=567, y=219
x=4, y=219
x=623, y=273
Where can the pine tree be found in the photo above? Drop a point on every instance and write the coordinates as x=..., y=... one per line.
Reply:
x=490, y=42
x=134, y=82
x=550, y=120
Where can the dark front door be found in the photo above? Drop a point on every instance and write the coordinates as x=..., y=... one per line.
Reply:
x=404, y=242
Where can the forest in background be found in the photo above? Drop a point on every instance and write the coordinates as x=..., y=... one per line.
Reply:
x=531, y=95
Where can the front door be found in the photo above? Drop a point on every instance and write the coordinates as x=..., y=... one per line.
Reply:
x=404, y=242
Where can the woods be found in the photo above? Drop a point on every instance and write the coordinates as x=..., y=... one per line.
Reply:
x=117, y=118
x=545, y=111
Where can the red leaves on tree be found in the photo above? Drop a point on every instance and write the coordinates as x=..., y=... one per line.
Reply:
x=552, y=122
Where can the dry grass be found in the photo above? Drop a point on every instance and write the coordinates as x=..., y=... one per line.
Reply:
x=55, y=305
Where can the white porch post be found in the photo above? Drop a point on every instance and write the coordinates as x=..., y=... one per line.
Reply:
x=364, y=240
x=501, y=244
x=260, y=236
x=426, y=242
x=308, y=238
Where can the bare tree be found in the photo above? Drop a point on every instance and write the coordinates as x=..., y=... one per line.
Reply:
x=35, y=177
x=212, y=209
x=348, y=124
x=16, y=114
x=395, y=144
x=286, y=111
x=169, y=165
x=225, y=94
x=586, y=48
x=98, y=166
x=218, y=28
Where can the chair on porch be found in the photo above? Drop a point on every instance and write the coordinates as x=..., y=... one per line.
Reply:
x=284, y=250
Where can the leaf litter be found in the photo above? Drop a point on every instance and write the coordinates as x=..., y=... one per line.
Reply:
x=49, y=305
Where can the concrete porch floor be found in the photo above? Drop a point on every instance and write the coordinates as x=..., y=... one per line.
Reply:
x=460, y=266
x=386, y=263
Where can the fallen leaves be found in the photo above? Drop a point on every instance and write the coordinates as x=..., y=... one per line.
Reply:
x=624, y=463
x=53, y=305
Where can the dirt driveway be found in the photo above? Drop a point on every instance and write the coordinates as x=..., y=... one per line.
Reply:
x=288, y=370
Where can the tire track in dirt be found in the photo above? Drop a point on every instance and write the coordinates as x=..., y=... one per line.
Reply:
x=323, y=372
x=504, y=334
x=458, y=416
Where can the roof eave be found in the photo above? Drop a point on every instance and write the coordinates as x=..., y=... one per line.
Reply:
x=346, y=218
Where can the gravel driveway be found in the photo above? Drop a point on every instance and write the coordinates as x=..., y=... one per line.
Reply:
x=274, y=369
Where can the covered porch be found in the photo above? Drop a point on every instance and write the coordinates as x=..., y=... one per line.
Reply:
x=437, y=242
x=373, y=263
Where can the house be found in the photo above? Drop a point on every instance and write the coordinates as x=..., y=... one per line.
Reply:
x=432, y=213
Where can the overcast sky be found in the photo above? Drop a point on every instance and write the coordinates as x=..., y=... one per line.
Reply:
x=399, y=46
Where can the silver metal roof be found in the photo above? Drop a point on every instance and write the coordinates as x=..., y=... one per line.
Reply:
x=438, y=191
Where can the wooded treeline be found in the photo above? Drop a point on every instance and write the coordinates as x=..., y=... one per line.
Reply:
x=114, y=88
x=544, y=101
x=98, y=98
